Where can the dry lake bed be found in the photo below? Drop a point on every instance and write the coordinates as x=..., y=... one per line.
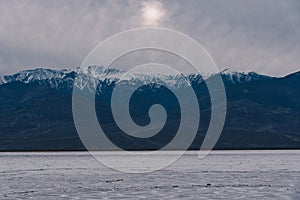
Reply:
x=221, y=175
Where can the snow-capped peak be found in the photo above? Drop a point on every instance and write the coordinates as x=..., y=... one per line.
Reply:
x=97, y=73
x=27, y=76
x=236, y=77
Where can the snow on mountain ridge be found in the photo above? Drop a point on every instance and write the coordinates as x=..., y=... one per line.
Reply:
x=96, y=73
x=236, y=77
x=27, y=76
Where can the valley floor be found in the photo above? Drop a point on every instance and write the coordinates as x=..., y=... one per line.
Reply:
x=221, y=175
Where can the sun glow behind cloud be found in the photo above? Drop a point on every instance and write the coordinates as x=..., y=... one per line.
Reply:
x=238, y=34
x=152, y=13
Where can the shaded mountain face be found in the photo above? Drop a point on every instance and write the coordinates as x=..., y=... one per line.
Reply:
x=36, y=110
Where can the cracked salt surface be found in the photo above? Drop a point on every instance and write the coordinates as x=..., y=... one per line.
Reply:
x=221, y=175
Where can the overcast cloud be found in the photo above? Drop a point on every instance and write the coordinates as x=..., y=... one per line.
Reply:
x=244, y=35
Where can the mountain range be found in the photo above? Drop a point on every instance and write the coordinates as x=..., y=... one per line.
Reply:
x=263, y=112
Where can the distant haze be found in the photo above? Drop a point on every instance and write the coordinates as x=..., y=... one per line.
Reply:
x=243, y=35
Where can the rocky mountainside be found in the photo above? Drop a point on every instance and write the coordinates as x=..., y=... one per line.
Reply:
x=36, y=109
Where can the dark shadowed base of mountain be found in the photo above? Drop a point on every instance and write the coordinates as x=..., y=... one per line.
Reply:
x=262, y=113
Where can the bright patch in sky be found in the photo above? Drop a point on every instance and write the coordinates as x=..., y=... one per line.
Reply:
x=152, y=13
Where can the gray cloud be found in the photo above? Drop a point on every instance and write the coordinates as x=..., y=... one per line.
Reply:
x=245, y=35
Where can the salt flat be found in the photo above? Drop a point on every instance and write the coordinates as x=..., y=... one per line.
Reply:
x=221, y=175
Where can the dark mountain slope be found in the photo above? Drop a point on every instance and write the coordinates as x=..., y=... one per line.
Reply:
x=36, y=112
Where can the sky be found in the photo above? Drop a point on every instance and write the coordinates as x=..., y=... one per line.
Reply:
x=243, y=35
